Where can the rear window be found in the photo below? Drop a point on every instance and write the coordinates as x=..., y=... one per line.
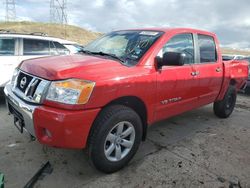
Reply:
x=35, y=47
x=207, y=49
x=7, y=47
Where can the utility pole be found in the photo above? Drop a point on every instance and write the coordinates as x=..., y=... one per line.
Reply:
x=58, y=12
x=10, y=10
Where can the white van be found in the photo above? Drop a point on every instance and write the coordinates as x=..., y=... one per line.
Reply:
x=14, y=48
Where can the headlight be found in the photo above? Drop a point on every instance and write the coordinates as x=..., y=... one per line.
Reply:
x=72, y=91
x=14, y=76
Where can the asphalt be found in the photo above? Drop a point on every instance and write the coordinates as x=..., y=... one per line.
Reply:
x=195, y=149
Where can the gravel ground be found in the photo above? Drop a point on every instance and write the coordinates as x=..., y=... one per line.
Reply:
x=195, y=149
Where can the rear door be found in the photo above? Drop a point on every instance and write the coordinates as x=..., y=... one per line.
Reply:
x=175, y=84
x=208, y=69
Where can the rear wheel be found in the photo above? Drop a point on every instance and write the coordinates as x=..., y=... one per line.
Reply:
x=115, y=138
x=225, y=107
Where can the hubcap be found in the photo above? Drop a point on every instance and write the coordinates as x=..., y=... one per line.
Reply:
x=119, y=141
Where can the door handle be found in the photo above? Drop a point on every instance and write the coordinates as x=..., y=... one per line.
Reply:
x=195, y=73
x=218, y=69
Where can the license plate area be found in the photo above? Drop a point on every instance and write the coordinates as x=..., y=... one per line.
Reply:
x=18, y=118
x=19, y=123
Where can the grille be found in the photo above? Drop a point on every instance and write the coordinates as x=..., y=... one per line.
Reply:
x=23, y=81
x=29, y=87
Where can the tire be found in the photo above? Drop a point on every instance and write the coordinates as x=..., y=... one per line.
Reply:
x=106, y=149
x=225, y=107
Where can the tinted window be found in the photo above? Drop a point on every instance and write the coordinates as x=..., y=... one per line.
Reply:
x=7, y=47
x=182, y=43
x=35, y=47
x=207, y=49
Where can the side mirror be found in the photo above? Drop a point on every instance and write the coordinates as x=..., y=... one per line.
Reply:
x=171, y=59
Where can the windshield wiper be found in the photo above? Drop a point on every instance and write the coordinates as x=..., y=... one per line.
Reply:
x=85, y=51
x=110, y=55
x=103, y=54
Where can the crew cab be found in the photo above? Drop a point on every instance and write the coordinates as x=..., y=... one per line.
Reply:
x=105, y=98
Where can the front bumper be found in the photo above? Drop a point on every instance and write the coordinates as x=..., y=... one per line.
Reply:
x=25, y=110
x=52, y=126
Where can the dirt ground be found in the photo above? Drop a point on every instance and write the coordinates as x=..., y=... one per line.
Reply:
x=195, y=149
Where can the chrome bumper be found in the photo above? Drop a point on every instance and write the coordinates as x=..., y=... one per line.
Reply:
x=26, y=110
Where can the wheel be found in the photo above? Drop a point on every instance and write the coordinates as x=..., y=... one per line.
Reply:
x=115, y=138
x=225, y=107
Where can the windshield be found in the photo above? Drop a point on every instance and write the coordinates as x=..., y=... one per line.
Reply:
x=129, y=46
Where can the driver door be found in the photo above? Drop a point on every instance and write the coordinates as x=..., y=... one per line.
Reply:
x=176, y=84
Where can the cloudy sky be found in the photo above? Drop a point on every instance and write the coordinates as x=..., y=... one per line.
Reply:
x=229, y=19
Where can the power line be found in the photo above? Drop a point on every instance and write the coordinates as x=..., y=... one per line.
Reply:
x=58, y=12
x=10, y=10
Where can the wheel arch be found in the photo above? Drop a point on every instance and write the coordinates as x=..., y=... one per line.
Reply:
x=134, y=103
x=226, y=85
x=233, y=82
x=138, y=106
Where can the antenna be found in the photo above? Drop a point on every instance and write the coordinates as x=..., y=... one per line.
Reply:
x=58, y=11
x=10, y=10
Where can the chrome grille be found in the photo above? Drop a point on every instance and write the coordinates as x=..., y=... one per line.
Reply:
x=23, y=81
x=29, y=87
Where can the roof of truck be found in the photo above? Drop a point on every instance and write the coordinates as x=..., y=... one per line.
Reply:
x=169, y=29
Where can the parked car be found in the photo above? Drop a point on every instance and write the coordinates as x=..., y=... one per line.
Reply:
x=14, y=48
x=105, y=98
x=228, y=57
x=73, y=47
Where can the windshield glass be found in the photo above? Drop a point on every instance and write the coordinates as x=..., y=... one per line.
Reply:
x=129, y=46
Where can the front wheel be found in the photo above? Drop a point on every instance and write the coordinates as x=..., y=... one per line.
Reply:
x=225, y=107
x=115, y=138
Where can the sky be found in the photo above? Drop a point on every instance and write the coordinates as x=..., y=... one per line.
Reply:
x=229, y=19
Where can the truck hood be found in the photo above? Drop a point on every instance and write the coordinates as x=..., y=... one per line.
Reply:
x=72, y=66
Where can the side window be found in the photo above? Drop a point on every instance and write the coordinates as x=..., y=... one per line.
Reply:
x=182, y=43
x=7, y=47
x=207, y=49
x=59, y=49
x=35, y=47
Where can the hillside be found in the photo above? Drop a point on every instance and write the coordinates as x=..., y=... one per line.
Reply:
x=69, y=32
x=72, y=33
x=233, y=51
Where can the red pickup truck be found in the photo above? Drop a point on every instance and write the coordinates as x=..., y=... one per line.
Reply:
x=104, y=98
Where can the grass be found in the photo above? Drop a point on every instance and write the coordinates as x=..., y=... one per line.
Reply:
x=236, y=52
x=68, y=32
x=73, y=33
